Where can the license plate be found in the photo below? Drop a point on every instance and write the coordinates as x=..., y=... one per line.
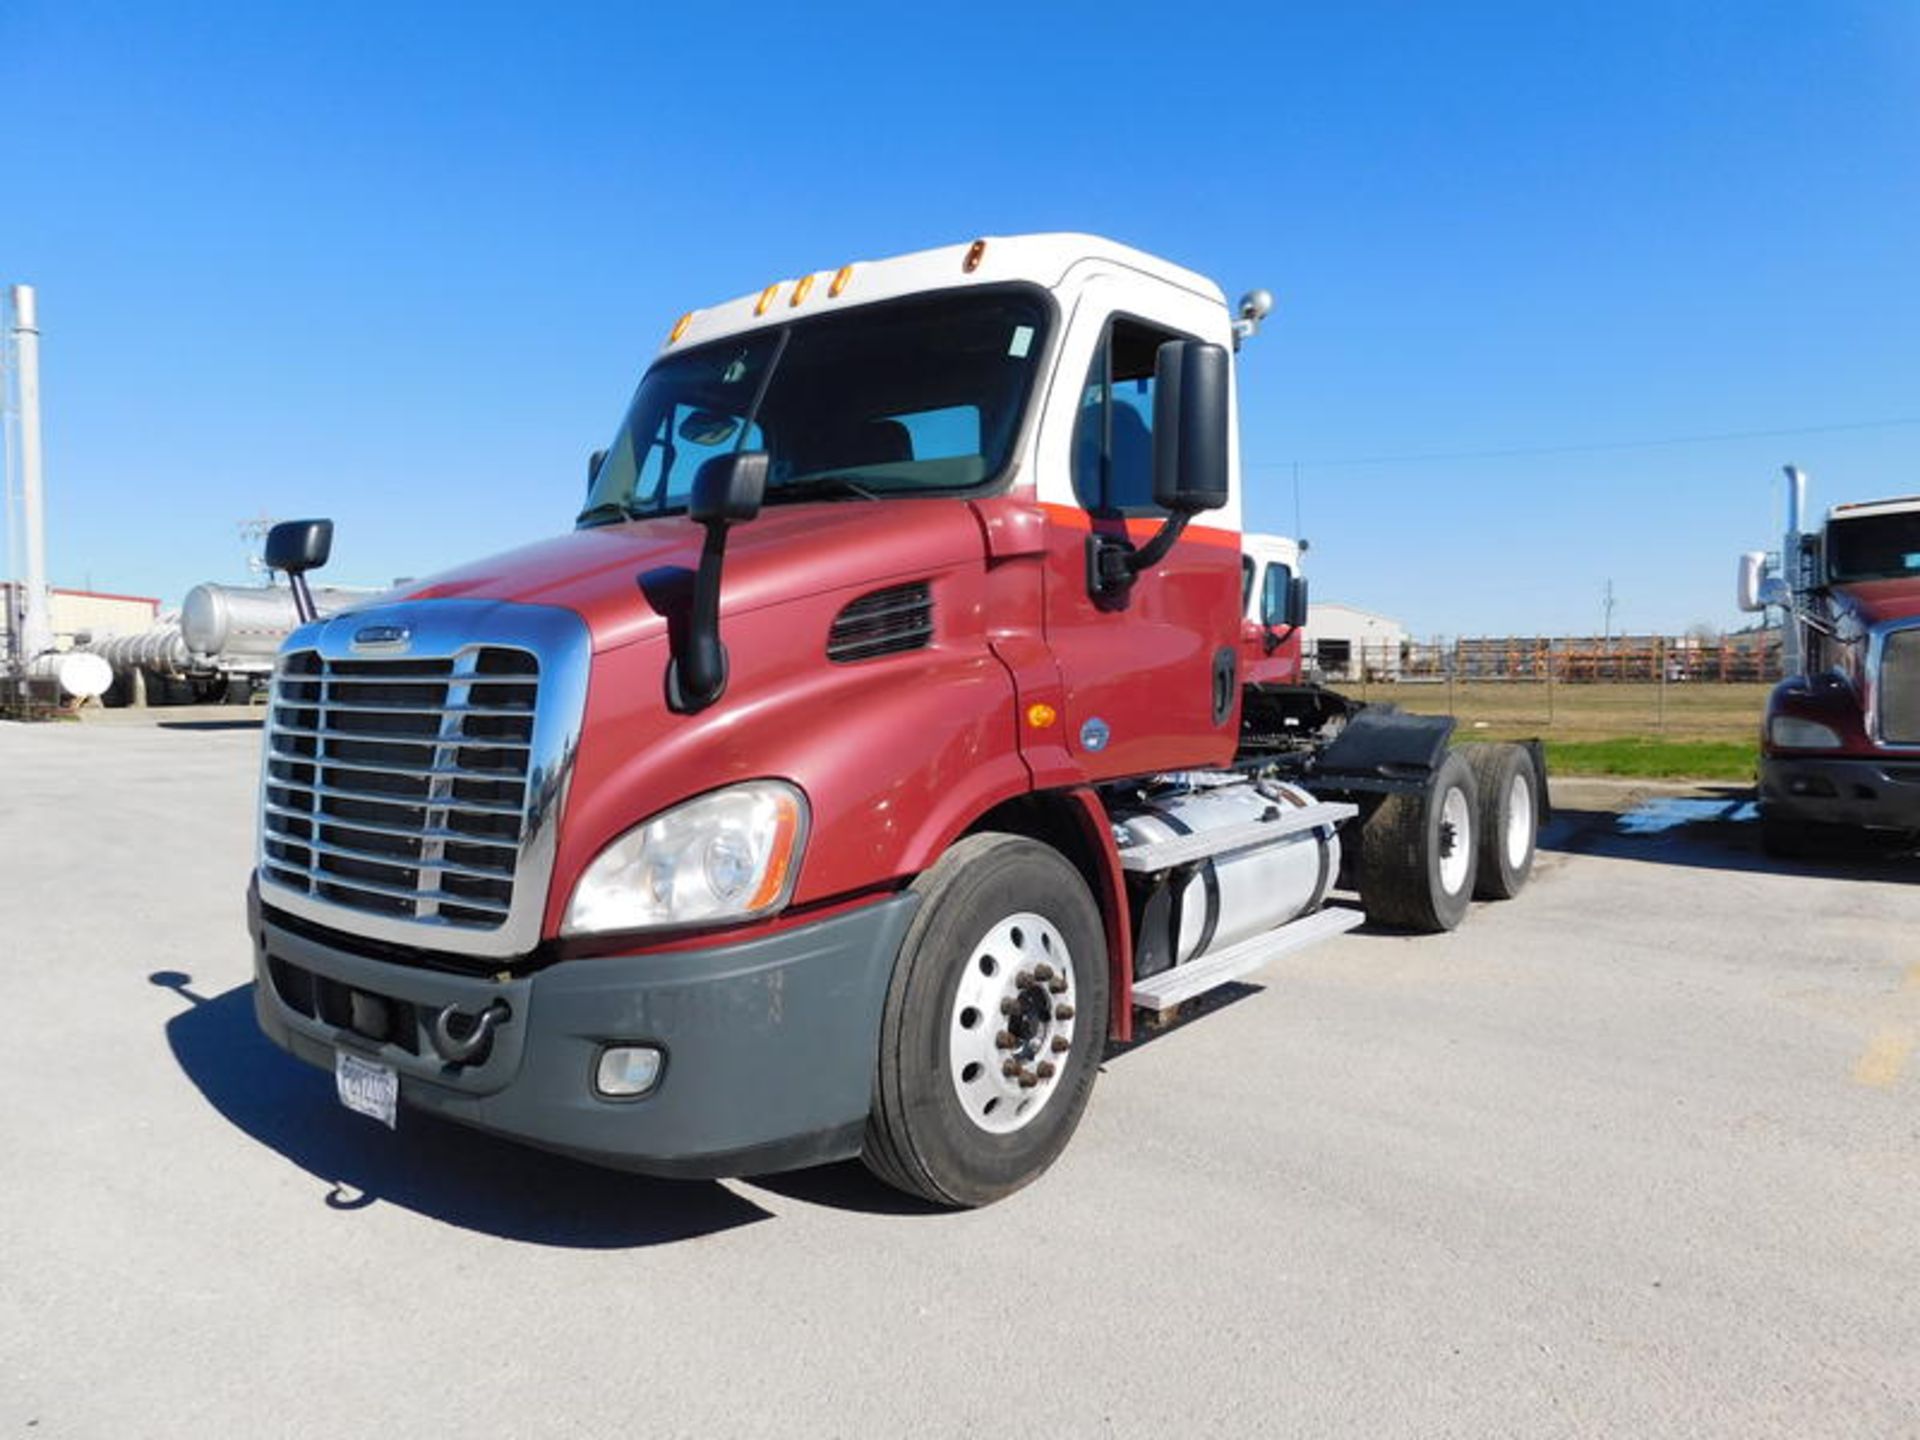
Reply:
x=366, y=1088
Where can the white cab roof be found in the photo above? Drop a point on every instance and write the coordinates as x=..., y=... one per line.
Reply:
x=1044, y=260
x=1861, y=509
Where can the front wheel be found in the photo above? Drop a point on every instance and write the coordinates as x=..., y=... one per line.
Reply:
x=994, y=1024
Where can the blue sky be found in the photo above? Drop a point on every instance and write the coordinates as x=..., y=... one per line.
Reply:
x=402, y=264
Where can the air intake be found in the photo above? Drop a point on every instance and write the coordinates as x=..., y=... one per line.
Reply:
x=884, y=622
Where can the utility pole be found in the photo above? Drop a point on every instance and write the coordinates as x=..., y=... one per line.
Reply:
x=1606, y=610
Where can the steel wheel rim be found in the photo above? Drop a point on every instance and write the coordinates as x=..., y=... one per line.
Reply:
x=1456, y=840
x=1519, y=822
x=1017, y=985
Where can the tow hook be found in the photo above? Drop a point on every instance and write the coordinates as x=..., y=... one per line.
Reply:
x=472, y=1045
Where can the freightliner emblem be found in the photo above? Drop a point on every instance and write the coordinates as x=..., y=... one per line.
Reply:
x=383, y=637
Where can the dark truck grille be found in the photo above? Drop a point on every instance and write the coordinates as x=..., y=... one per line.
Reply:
x=399, y=786
x=1899, y=688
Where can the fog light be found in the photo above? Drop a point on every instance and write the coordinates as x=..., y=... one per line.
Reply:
x=627, y=1070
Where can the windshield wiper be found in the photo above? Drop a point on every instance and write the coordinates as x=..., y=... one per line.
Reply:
x=815, y=486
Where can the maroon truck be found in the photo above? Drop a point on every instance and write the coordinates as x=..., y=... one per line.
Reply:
x=1841, y=743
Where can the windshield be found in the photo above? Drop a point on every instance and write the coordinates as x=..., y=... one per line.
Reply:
x=908, y=397
x=1873, y=547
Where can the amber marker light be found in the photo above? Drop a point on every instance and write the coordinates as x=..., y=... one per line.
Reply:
x=801, y=290
x=976, y=252
x=766, y=298
x=1041, y=716
x=840, y=279
x=679, y=327
x=786, y=830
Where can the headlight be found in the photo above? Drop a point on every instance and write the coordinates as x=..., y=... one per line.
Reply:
x=730, y=855
x=1792, y=733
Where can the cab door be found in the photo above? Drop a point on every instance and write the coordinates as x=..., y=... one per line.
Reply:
x=1151, y=675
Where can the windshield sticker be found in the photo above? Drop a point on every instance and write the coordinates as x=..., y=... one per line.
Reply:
x=1022, y=342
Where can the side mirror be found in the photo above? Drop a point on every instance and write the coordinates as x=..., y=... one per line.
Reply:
x=1297, y=601
x=726, y=490
x=729, y=488
x=1755, y=588
x=1191, y=383
x=1746, y=589
x=297, y=546
x=594, y=462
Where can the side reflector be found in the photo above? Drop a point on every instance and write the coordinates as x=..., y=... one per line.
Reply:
x=802, y=289
x=840, y=279
x=766, y=298
x=679, y=327
x=975, y=253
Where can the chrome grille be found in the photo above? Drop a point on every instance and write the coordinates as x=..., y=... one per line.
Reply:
x=1898, y=685
x=399, y=786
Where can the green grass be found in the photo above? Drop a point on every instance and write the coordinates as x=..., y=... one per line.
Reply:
x=1654, y=759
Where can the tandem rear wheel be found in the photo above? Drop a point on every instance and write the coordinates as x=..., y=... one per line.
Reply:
x=994, y=1024
x=1419, y=852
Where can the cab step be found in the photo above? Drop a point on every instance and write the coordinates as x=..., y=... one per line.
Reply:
x=1170, y=987
x=1203, y=844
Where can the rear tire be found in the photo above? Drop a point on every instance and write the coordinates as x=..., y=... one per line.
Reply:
x=1509, y=818
x=949, y=1123
x=1418, y=859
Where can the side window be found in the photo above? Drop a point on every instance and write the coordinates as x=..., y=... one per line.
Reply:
x=1246, y=581
x=1273, y=594
x=1113, y=437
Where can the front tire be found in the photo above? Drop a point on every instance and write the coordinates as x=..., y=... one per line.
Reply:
x=994, y=1024
x=1418, y=859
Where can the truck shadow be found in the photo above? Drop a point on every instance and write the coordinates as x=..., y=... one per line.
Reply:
x=1719, y=830
x=457, y=1176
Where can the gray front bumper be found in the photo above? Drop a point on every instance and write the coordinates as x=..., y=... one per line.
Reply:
x=1868, y=792
x=770, y=1043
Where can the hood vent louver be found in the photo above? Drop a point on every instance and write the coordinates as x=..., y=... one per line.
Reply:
x=884, y=622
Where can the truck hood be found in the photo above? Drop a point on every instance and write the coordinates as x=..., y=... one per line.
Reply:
x=618, y=578
x=1878, y=601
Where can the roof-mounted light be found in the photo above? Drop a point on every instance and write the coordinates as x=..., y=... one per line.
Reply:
x=766, y=298
x=976, y=252
x=840, y=279
x=679, y=328
x=802, y=288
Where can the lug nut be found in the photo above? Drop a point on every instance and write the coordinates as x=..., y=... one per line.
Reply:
x=1006, y=1006
x=1043, y=971
x=1044, y=1070
x=1006, y=1040
x=1058, y=985
x=1028, y=1079
x=1063, y=1012
x=1024, y=980
x=1061, y=1044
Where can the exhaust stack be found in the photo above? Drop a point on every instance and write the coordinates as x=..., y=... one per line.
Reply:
x=35, y=633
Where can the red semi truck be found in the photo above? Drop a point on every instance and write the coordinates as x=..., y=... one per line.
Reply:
x=878, y=744
x=1840, y=742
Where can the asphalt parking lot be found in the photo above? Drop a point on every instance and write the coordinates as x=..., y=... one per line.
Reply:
x=1637, y=1154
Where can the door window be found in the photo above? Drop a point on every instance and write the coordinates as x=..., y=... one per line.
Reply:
x=1113, y=436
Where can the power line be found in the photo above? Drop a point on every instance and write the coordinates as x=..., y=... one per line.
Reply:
x=1420, y=457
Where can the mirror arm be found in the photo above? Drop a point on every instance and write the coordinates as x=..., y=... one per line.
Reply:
x=1113, y=564
x=697, y=675
x=302, y=598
